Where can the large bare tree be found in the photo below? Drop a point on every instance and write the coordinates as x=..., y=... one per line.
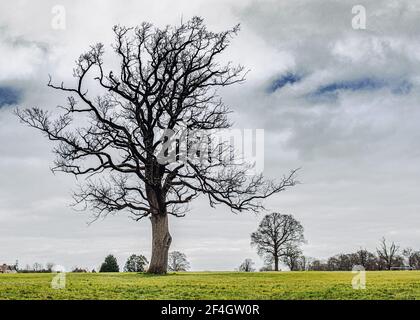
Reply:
x=118, y=137
x=276, y=236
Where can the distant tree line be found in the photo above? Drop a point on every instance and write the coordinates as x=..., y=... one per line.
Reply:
x=279, y=237
x=380, y=260
x=35, y=268
x=177, y=261
x=135, y=263
x=388, y=256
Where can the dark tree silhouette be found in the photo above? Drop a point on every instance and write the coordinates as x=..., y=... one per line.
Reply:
x=275, y=234
x=292, y=257
x=387, y=253
x=110, y=264
x=364, y=258
x=118, y=138
x=136, y=263
x=247, y=266
x=178, y=261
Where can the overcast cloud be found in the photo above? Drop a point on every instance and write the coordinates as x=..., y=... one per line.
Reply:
x=340, y=103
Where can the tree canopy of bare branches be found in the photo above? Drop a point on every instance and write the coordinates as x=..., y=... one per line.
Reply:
x=387, y=253
x=277, y=235
x=292, y=257
x=178, y=261
x=247, y=266
x=167, y=80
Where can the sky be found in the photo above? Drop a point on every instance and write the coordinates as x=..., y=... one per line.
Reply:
x=339, y=102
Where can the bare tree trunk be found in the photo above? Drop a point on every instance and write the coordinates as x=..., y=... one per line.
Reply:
x=161, y=241
x=276, y=263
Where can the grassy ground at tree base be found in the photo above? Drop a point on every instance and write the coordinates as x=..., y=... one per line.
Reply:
x=214, y=285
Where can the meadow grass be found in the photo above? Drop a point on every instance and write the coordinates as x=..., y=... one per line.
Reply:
x=213, y=285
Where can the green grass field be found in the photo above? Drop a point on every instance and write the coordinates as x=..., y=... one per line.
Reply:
x=213, y=285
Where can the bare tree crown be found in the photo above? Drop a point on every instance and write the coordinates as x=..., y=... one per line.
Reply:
x=387, y=252
x=167, y=77
x=178, y=261
x=278, y=235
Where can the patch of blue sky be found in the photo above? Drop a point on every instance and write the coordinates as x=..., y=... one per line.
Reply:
x=9, y=96
x=332, y=90
x=288, y=78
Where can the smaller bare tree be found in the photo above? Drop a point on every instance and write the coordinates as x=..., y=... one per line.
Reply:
x=275, y=233
x=412, y=257
x=305, y=262
x=178, y=261
x=247, y=266
x=49, y=266
x=387, y=252
x=136, y=263
x=292, y=256
x=37, y=267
